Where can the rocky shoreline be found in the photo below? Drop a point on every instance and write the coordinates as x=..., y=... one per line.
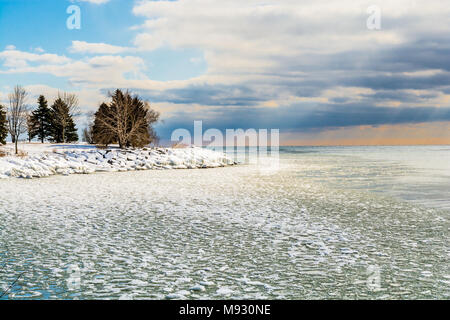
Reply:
x=66, y=162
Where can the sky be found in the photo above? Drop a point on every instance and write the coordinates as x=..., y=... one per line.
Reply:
x=322, y=72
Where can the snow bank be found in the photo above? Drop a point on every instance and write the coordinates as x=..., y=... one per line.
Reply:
x=75, y=161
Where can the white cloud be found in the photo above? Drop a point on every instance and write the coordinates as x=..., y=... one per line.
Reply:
x=88, y=98
x=92, y=1
x=278, y=43
x=97, y=71
x=96, y=48
x=239, y=36
x=20, y=59
x=195, y=60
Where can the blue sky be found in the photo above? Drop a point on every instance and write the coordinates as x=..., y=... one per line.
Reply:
x=317, y=70
x=43, y=25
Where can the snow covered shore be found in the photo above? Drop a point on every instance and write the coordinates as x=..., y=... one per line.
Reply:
x=68, y=161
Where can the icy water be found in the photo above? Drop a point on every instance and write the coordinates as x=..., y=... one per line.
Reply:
x=353, y=222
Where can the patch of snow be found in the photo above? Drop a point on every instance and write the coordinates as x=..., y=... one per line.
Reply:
x=197, y=288
x=224, y=291
x=64, y=160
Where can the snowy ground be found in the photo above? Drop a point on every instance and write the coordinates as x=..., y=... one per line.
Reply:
x=43, y=160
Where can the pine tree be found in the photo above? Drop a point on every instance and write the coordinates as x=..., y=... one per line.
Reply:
x=3, y=125
x=31, y=127
x=103, y=129
x=41, y=118
x=63, y=127
x=71, y=134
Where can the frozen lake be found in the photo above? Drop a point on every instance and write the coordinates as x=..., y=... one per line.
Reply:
x=330, y=223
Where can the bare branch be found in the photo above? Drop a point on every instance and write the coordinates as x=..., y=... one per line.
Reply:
x=17, y=113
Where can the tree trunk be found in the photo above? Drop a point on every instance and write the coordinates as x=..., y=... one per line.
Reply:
x=17, y=149
x=42, y=132
x=13, y=139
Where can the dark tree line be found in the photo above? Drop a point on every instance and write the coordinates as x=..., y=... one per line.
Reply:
x=3, y=125
x=127, y=120
x=54, y=124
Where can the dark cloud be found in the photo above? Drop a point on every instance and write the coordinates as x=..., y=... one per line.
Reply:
x=390, y=72
x=400, y=82
x=208, y=95
x=402, y=96
x=306, y=117
x=397, y=68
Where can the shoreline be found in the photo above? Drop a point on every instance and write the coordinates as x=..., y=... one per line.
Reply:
x=67, y=161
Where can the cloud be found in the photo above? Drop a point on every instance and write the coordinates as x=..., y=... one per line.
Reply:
x=317, y=52
x=403, y=134
x=308, y=117
x=208, y=95
x=92, y=1
x=96, y=48
x=13, y=58
x=309, y=65
x=251, y=35
x=105, y=70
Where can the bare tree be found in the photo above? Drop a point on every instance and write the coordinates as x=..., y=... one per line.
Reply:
x=152, y=118
x=17, y=114
x=72, y=102
x=126, y=120
x=88, y=134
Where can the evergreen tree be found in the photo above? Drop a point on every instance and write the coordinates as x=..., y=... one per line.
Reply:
x=63, y=127
x=71, y=132
x=103, y=129
x=41, y=119
x=31, y=127
x=3, y=125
